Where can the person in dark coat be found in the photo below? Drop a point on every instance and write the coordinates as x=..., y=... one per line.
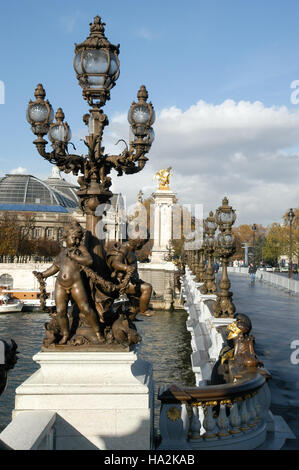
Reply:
x=252, y=271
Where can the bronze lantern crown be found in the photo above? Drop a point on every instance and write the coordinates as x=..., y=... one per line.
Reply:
x=291, y=215
x=141, y=116
x=96, y=65
x=225, y=215
x=40, y=113
x=60, y=131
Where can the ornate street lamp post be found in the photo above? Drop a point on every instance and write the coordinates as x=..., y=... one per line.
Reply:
x=97, y=68
x=86, y=272
x=210, y=227
x=225, y=218
x=253, y=228
x=291, y=216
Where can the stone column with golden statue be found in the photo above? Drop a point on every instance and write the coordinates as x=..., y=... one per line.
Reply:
x=164, y=200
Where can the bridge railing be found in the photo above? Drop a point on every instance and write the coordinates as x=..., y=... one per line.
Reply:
x=230, y=416
x=206, y=330
x=233, y=415
x=30, y=431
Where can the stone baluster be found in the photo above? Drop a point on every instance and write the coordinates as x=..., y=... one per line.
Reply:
x=209, y=422
x=185, y=419
x=174, y=425
x=257, y=407
x=251, y=412
x=235, y=419
x=195, y=423
x=223, y=421
x=244, y=416
x=264, y=400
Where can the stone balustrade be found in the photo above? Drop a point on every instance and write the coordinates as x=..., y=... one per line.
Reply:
x=206, y=330
x=230, y=416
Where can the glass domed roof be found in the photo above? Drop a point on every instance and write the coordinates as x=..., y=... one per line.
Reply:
x=27, y=190
x=56, y=182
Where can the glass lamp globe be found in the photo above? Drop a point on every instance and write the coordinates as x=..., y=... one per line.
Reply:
x=60, y=133
x=40, y=112
x=225, y=215
x=96, y=64
x=141, y=115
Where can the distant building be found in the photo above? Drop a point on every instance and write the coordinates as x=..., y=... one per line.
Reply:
x=53, y=202
x=115, y=220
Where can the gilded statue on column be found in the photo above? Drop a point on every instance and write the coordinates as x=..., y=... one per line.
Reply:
x=163, y=177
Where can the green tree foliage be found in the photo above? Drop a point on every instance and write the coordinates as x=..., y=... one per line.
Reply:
x=244, y=234
x=16, y=242
x=276, y=243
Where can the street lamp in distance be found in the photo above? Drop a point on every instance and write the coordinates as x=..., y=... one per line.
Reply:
x=291, y=216
x=253, y=228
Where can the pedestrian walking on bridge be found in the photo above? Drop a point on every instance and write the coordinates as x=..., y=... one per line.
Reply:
x=252, y=271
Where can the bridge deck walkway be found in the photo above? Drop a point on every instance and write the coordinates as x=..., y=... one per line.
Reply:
x=274, y=313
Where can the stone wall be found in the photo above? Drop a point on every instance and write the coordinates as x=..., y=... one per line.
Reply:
x=22, y=276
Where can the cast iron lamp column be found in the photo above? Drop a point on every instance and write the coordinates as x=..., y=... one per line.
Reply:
x=253, y=228
x=225, y=218
x=210, y=228
x=291, y=216
x=96, y=65
x=196, y=264
x=201, y=264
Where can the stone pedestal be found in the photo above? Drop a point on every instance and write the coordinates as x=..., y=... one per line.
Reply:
x=163, y=231
x=103, y=400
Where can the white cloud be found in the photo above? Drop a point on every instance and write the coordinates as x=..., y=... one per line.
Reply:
x=19, y=171
x=144, y=33
x=69, y=22
x=243, y=150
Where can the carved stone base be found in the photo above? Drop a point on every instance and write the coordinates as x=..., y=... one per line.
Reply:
x=103, y=400
x=224, y=307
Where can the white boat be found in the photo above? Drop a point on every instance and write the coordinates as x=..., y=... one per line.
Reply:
x=31, y=305
x=30, y=298
x=9, y=304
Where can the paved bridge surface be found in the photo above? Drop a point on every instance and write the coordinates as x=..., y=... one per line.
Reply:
x=275, y=317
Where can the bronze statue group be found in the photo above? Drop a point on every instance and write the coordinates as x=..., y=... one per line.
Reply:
x=104, y=307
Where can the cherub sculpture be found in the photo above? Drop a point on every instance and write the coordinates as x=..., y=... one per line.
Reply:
x=97, y=314
x=122, y=259
x=239, y=353
x=69, y=283
x=163, y=177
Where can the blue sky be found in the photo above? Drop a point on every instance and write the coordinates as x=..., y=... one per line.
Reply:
x=183, y=52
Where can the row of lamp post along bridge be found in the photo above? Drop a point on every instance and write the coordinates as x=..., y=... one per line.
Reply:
x=222, y=247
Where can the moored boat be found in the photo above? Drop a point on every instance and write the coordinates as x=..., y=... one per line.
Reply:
x=9, y=304
x=29, y=298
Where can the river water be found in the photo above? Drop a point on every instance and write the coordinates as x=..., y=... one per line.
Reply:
x=165, y=343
